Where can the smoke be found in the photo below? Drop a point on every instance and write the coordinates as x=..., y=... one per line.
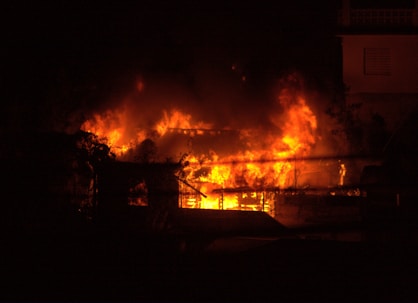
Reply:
x=211, y=92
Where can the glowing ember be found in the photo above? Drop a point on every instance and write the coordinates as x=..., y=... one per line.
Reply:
x=342, y=173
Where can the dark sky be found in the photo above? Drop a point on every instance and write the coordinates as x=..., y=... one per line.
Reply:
x=84, y=28
x=90, y=43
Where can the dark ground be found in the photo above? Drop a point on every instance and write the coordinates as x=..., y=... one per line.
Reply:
x=92, y=263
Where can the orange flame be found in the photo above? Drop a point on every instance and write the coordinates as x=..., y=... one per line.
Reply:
x=177, y=120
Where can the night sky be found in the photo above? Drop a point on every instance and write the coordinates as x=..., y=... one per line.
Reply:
x=60, y=56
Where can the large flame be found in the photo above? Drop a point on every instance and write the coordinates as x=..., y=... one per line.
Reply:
x=255, y=170
x=242, y=178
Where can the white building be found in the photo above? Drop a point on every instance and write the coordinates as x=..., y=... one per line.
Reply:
x=379, y=43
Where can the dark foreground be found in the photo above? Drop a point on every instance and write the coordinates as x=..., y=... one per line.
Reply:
x=99, y=264
x=104, y=266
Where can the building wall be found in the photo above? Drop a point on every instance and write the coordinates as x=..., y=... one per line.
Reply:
x=380, y=63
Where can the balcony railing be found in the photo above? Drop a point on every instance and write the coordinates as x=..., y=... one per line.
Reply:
x=378, y=17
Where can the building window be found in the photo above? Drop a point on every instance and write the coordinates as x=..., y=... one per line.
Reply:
x=377, y=61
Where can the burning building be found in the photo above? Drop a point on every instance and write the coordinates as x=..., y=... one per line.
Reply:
x=227, y=166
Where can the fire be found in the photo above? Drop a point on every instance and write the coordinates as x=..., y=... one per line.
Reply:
x=112, y=127
x=248, y=176
x=177, y=120
x=300, y=125
x=254, y=172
